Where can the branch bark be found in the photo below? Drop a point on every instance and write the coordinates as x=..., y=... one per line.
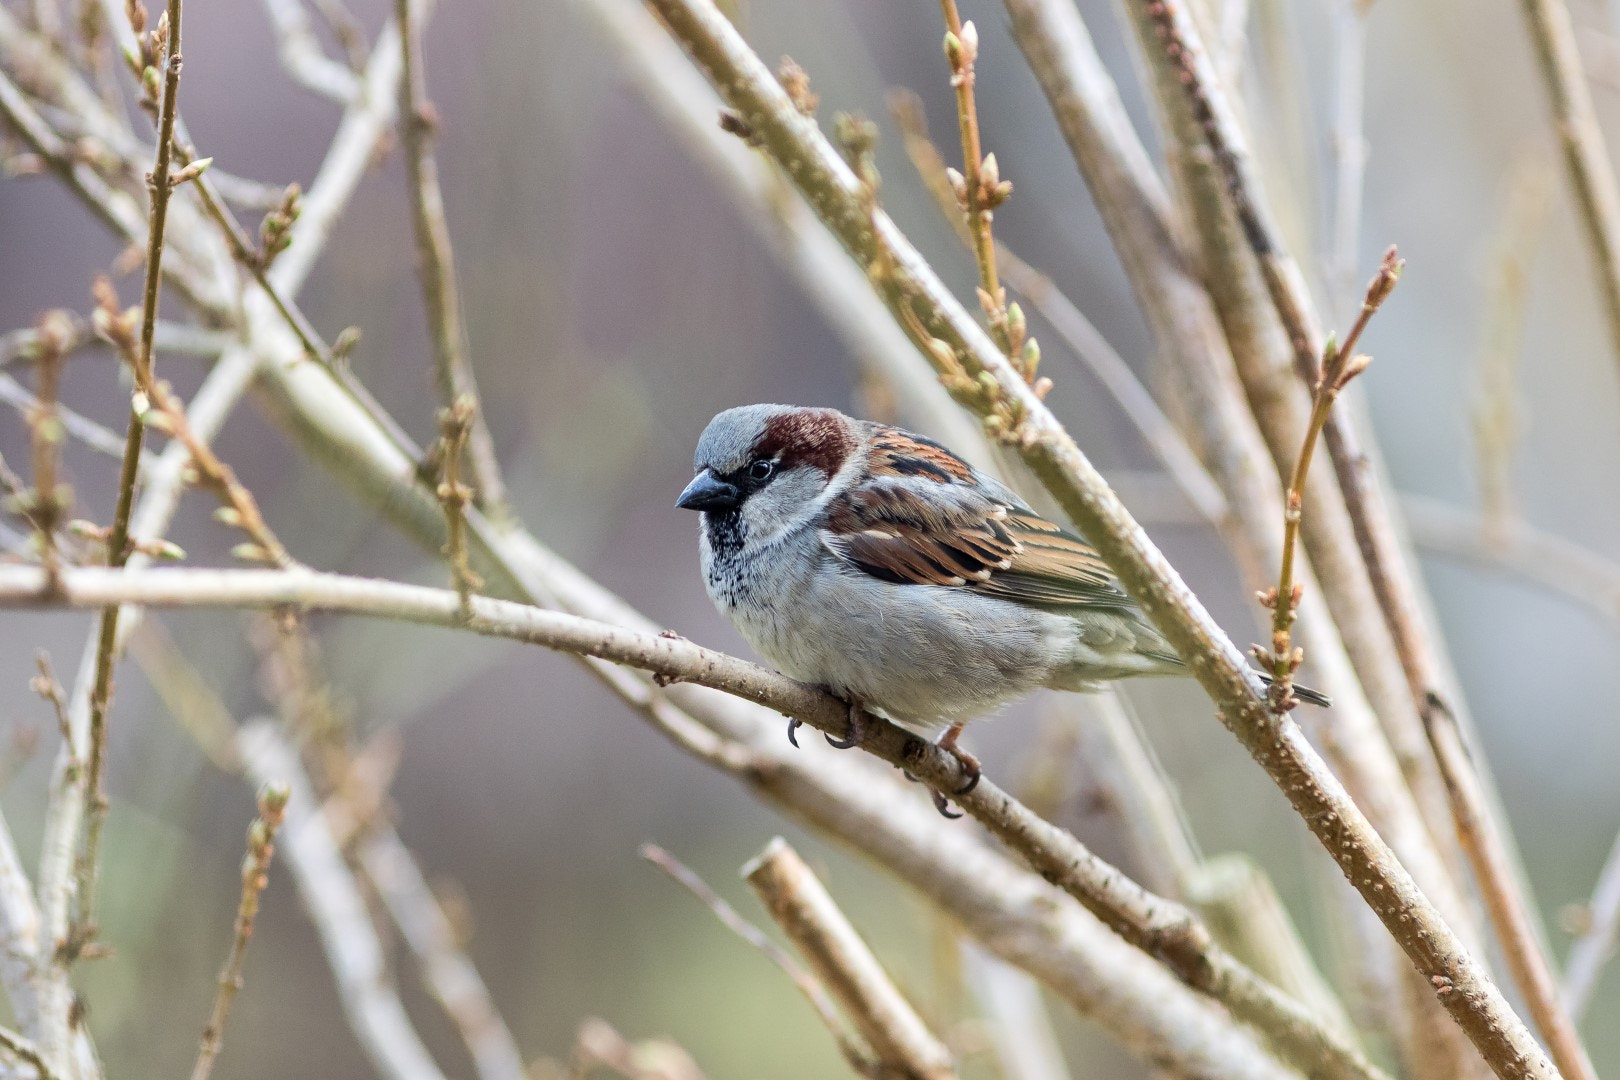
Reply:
x=1275, y=742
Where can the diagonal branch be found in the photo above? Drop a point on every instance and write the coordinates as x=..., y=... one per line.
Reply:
x=441, y=294
x=1597, y=196
x=1275, y=742
x=1159, y=927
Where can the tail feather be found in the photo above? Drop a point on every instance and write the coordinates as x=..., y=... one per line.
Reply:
x=1304, y=693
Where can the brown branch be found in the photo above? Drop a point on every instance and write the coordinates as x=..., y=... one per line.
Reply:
x=1340, y=364
x=261, y=847
x=797, y=145
x=456, y=426
x=1009, y=910
x=1529, y=964
x=1087, y=343
x=436, y=263
x=856, y=1055
x=808, y=915
x=160, y=408
x=1161, y=928
x=1386, y=567
x=1420, y=825
x=160, y=183
x=1597, y=196
x=977, y=190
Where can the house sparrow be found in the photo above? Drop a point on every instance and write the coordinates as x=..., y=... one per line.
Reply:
x=880, y=565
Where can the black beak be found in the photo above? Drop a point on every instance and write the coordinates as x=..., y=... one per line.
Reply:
x=705, y=492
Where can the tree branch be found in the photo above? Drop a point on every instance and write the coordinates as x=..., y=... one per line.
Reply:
x=1159, y=927
x=1275, y=742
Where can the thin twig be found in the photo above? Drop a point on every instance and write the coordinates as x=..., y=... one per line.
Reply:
x=1340, y=364
x=446, y=969
x=334, y=903
x=261, y=847
x=457, y=422
x=1590, y=173
x=160, y=183
x=1088, y=344
x=301, y=53
x=858, y=1057
x=1159, y=927
x=158, y=407
x=1594, y=947
x=436, y=264
x=1370, y=516
x=977, y=190
x=75, y=425
x=1275, y=743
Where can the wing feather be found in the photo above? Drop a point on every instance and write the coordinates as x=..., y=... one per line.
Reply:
x=923, y=517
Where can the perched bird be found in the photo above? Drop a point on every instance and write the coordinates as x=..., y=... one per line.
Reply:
x=876, y=563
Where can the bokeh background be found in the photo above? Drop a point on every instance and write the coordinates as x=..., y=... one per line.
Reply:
x=614, y=302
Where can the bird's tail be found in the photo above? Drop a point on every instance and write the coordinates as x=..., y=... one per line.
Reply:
x=1304, y=693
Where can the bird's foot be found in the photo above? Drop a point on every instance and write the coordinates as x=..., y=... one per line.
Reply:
x=793, y=731
x=857, y=731
x=972, y=770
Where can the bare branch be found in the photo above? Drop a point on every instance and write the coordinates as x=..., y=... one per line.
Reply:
x=1591, y=175
x=1159, y=927
x=261, y=847
x=807, y=984
x=1595, y=945
x=446, y=969
x=441, y=294
x=1274, y=741
x=302, y=55
x=333, y=901
x=806, y=912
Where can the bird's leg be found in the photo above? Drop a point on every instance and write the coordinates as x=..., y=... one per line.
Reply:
x=856, y=733
x=970, y=764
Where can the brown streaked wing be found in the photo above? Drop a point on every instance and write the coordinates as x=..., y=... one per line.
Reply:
x=890, y=533
x=1053, y=567
x=901, y=454
x=964, y=539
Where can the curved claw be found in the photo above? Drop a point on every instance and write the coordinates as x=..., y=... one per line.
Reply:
x=793, y=731
x=972, y=781
x=944, y=807
x=857, y=730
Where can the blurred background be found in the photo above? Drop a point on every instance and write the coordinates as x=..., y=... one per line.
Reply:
x=614, y=302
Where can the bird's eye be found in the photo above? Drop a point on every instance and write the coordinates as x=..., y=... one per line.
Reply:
x=762, y=469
